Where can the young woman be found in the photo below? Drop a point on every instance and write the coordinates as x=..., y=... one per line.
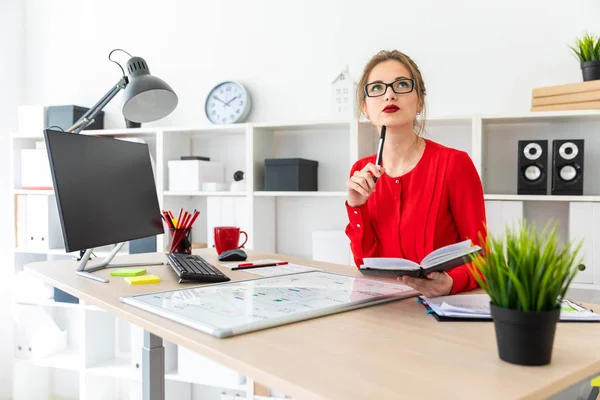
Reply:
x=426, y=196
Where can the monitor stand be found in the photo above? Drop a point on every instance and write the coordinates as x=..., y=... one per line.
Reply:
x=85, y=272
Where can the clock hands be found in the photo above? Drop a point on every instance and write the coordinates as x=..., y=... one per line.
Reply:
x=226, y=103
x=220, y=100
x=231, y=100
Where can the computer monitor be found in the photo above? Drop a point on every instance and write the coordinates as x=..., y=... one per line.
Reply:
x=105, y=192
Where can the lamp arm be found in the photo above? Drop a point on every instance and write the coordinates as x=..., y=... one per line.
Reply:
x=89, y=116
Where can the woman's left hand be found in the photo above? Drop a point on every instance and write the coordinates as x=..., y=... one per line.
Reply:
x=436, y=284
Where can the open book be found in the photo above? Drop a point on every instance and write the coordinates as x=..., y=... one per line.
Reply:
x=442, y=259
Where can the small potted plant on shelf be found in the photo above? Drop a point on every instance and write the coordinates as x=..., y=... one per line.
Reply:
x=587, y=49
x=526, y=274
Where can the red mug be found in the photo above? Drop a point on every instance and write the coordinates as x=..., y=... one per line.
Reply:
x=228, y=238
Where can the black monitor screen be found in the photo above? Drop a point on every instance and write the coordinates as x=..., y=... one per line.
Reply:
x=104, y=188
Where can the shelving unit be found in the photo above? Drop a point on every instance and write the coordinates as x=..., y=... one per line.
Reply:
x=103, y=364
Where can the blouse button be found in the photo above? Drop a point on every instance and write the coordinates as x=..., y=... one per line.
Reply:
x=355, y=212
x=397, y=181
x=358, y=225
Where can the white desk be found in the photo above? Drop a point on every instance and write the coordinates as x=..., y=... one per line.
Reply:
x=386, y=351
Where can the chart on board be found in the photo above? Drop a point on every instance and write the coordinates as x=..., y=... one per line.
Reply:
x=231, y=308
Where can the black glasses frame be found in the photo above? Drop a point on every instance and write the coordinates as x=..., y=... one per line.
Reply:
x=389, y=85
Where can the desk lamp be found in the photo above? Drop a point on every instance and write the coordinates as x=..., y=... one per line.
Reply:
x=146, y=97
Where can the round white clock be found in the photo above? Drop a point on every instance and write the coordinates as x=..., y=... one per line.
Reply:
x=227, y=103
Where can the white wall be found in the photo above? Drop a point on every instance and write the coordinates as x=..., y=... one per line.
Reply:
x=12, y=94
x=476, y=56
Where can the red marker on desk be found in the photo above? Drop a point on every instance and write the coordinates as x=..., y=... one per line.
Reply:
x=251, y=265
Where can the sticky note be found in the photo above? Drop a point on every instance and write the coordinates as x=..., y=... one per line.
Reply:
x=135, y=280
x=128, y=272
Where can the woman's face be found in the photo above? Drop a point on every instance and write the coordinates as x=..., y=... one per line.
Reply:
x=386, y=107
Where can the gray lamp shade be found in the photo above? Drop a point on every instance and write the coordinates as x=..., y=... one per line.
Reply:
x=146, y=98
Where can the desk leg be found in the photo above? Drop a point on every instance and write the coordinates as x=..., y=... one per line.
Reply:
x=153, y=368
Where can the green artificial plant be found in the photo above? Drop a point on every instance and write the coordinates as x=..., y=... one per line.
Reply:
x=587, y=48
x=526, y=270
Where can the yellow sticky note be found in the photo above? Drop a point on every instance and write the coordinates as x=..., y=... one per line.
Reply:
x=596, y=381
x=135, y=280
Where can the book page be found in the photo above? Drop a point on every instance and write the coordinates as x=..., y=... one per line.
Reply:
x=442, y=251
x=390, y=263
x=443, y=258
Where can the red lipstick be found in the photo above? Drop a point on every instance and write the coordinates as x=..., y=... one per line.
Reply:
x=390, y=108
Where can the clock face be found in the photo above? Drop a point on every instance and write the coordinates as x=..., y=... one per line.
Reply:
x=227, y=103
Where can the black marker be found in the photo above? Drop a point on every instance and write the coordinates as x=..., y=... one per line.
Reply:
x=380, y=149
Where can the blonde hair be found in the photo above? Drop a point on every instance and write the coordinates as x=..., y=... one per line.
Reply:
x=385, y=55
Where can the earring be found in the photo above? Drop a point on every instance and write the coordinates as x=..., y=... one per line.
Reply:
x=418, y=113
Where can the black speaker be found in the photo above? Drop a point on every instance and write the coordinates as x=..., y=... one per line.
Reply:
x=532, y=167
x=567, y=167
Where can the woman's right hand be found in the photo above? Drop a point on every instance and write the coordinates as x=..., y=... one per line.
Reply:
x=361, y=184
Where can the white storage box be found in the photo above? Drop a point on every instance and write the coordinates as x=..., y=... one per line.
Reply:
x=32, y=119
x=332, y=247
x=42, y=225
x=35, y=169
x=188, y=175
x=36, y=334
x=199, y=369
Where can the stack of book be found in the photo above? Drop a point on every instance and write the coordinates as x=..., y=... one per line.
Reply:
x=573, y=96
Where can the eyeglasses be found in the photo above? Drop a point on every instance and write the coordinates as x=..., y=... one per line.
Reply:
x=399, y=86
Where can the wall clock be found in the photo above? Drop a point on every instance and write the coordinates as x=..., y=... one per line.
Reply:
x=227, y=103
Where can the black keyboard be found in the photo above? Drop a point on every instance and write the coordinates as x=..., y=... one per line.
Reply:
x=194, y=268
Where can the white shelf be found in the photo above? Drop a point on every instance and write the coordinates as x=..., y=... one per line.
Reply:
x=67, y=360
x=542, y=116
x=304, y=126
x=47, y=303
x=53, y=303
x=523, y=197
x=27, y=135
x=272, y=222
x=33, y=191
x=587, y=286
x=118, y=368
x=61, y=252
x=121, y=132
x=219, y=194
x=201, y=129
x=174, y=375
x=301, y=194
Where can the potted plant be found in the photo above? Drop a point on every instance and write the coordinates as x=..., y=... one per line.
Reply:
x=526, y=274
x=587, y=49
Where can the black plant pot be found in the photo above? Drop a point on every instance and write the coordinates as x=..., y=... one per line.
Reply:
x=590, y=70
x=525, y=338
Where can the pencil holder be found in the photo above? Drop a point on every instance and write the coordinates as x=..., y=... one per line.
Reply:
x=180, y=240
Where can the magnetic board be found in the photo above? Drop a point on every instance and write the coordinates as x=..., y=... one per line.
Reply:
x=232, y=308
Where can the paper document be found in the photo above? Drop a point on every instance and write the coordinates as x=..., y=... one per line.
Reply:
x=271, y=271
x=478, y=306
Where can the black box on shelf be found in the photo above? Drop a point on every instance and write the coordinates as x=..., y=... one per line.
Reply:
x=291, y=174
x=143, y=245
x=66, y=116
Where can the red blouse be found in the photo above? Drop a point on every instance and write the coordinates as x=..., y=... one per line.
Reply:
x=439, y=202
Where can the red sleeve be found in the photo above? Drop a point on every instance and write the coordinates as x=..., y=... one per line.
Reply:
x=359, y=230
x=468, y=209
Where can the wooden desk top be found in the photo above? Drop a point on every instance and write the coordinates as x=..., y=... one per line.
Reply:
x=388, y=351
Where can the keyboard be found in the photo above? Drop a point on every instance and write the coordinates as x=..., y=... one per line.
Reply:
x=194, y=268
